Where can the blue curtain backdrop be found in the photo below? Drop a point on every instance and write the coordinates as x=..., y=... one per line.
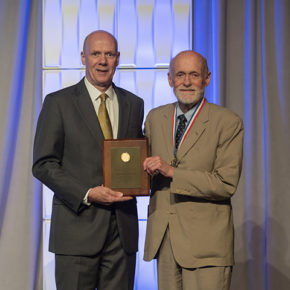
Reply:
x=247, y=44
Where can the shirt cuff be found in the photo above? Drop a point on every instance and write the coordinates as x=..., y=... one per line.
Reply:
x=85, y=200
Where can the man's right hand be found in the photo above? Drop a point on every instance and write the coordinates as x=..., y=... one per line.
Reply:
x=106, y=196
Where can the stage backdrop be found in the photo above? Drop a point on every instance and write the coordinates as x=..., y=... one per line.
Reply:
x=247, y=44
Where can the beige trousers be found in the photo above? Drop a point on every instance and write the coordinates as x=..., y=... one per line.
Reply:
x=172, y=276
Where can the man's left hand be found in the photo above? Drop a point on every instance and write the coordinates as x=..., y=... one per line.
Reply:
x=154, y=165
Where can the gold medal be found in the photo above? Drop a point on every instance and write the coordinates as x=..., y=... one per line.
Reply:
x=125, y=157
x=174, y=162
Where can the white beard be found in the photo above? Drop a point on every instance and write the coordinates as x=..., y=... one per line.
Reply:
x=189, y=99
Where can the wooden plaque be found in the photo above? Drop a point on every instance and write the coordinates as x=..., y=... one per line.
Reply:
x=123, y=166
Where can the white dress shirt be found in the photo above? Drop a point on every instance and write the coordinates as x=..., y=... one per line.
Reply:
x=111, y=104
x=112, y=108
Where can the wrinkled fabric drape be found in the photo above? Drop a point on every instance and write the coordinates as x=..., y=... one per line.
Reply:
x=20, y=197
x=247, y=44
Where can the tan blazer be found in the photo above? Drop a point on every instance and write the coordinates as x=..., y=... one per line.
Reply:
x=196, y=202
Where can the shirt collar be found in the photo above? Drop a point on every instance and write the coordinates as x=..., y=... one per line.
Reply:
x=188, y=114
x=95, y=93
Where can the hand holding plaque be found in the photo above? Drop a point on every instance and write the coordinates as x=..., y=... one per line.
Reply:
x=123, y=166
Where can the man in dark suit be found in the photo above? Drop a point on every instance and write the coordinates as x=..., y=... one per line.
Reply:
x=94, y=230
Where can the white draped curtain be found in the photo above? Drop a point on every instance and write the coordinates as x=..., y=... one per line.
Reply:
x=20, y=197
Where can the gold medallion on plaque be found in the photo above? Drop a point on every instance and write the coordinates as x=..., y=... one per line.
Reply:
x=125, y=157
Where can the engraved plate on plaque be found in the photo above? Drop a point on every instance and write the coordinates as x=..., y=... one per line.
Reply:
x=125, y=164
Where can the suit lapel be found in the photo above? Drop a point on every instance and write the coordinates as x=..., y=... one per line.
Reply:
x=86, y=108
x=166, y=125
x=196, y=131
x=124, y=112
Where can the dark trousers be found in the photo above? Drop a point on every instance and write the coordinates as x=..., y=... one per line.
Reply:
x=109, y=270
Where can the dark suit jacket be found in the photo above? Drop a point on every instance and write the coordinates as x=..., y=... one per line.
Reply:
x=68, y=160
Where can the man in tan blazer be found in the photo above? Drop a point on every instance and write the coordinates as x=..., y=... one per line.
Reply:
x=195, y=167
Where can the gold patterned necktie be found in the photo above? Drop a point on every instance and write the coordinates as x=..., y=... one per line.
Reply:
x=104, y=118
